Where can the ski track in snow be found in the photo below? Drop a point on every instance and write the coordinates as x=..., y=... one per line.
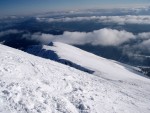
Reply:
x=29, y=84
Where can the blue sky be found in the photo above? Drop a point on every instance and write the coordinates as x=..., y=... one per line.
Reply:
x=32, y=6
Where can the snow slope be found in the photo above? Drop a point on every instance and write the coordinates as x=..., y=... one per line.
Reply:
x=102, y=67
x=30, y=84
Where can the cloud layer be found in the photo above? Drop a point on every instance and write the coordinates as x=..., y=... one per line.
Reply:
x=128, y=19
x=11, y=31
x=131, y=45
x=105, y=37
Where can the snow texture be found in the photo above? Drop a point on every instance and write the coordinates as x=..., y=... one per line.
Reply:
x=30, y=84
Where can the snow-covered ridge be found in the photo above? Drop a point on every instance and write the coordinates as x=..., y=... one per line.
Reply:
x=30, y=84
x=44, y=52
x=85, y=61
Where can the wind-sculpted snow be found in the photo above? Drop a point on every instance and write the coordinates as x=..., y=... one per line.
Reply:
x=39, y=50
x=99, y=66
x=30, y=84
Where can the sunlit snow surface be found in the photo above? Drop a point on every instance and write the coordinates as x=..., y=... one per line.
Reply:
x=29, y=84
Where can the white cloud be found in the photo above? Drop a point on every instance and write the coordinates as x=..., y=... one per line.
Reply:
x=145, y=45
x=7, y=32
x=139, y=48
x=145, y=35
x=128, y=19
x=105, y=37
x=67, y=19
